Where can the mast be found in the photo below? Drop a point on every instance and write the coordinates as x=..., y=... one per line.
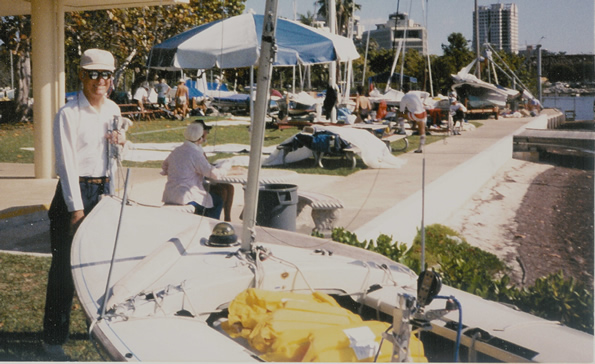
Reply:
x=425, y=10
x=265, y=67
x=405, y=44
x=539, y=72
x=365, y=60
x=331, y=17
x=477, y=45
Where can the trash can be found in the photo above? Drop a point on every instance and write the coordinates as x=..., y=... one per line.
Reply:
x=277, y=206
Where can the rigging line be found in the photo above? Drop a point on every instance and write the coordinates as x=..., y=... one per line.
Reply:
x=425, y=9
x=109, y=275
x=297, y=268
x=271, y=234
x=367, y=198
x=506, y=65
x=405, y=43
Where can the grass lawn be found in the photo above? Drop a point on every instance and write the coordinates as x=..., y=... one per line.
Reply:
x=23, y=280
x=13, y=138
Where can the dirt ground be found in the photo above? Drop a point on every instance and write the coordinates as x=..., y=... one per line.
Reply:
x=555, y=225
x=538, y=218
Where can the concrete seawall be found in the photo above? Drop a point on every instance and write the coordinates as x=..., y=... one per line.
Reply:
x=449, y=192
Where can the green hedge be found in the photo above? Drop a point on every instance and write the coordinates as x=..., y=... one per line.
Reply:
x=473, y=270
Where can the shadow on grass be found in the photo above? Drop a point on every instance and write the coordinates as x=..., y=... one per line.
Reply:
x=26, y=346
x=334, y=166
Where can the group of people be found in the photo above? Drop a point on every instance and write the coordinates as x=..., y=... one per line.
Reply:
x=412, y=108
x=180, y=100
x=85, y=131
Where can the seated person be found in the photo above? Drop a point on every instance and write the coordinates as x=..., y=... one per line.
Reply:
x=382, y=110
x=456, y=113
x=141, y=95
x=224, y=190
x=363, y=106
x=186, y=168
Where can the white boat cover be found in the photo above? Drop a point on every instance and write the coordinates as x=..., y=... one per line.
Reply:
x=372, y=150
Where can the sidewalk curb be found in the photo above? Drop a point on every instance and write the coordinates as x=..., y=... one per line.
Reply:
x=23, y=214
x=402, y=221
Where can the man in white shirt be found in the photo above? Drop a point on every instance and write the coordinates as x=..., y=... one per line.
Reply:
x=412, y=108
x=82, y=136
x=141, y=95
x=186, y=168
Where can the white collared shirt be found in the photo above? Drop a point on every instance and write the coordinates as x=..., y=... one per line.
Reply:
x=412, y=103
x=186, y=168
x=81, y=146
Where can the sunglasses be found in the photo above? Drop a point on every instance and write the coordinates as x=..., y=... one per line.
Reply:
x=93, y=75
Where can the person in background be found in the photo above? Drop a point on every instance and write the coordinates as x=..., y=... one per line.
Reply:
x=382, y=110
x=331, y=100
x=141, y=95
x=412, y=108
x=456, y=113
x=186, y=169
x=182, y=97
x=82, y=136
x=363, y=106
x=162, y=89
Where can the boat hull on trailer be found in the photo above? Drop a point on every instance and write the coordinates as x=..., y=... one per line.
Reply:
x=167, y=287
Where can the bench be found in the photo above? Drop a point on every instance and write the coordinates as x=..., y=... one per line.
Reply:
x=393, y=138
x=325, y=210
x=131, y=111
x=282, y=125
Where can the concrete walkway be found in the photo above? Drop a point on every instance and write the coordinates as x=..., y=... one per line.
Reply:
x=376, y=201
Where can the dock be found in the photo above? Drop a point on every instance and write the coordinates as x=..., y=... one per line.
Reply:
x=539, y=145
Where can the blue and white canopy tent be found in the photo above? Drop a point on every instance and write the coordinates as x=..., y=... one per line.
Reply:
x=235, y=42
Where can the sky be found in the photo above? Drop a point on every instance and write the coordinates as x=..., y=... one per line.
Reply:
x=565, y=25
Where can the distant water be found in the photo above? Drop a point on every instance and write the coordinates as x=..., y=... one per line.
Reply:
x=578, y=107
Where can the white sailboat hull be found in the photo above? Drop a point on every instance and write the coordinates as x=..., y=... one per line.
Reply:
x=163, y=267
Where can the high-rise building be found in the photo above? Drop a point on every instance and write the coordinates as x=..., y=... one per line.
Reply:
x=498, y=25
x=397, y=28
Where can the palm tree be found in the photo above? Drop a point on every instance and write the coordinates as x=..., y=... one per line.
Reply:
x=345, y=10
x=308, y=18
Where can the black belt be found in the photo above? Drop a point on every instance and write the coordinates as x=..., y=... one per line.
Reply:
x=94, y=180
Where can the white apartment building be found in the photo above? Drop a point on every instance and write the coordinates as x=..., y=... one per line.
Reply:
x=498, y=25
x=397, y=28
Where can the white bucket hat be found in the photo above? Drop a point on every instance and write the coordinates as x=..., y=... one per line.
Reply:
x=193, y=132
x=98, y=59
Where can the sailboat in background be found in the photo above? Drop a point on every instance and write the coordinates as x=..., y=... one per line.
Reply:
x=162, y=285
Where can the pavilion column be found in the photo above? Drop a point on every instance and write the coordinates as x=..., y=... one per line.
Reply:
x=47, y=56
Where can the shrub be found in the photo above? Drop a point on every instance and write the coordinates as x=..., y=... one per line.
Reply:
x=557, y=298
x=383, y=245
x=472, y=270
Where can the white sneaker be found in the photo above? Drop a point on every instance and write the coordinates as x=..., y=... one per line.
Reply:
x=55, y=352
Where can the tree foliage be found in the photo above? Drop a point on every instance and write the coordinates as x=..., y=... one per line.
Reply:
x=124, y=31
x=344, y=11
x=15, y=32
